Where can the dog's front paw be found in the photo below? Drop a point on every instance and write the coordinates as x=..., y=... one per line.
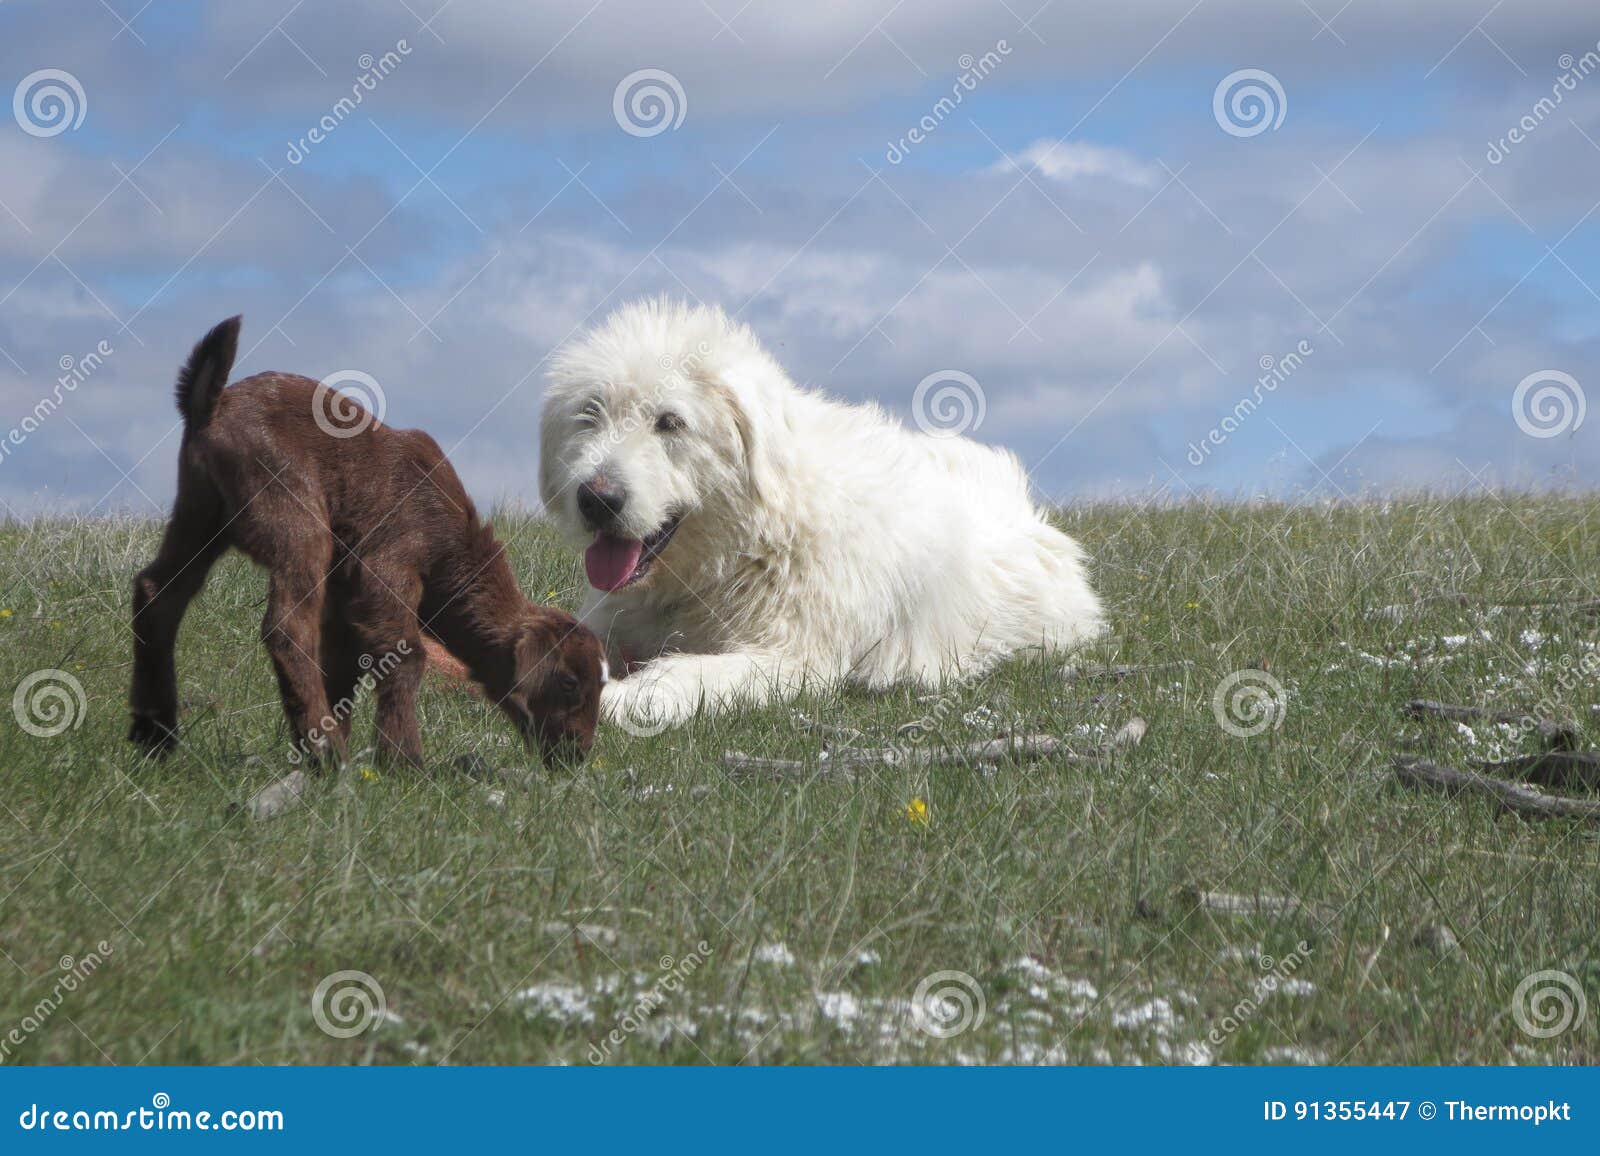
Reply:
x=156, y=736
x=644, y=706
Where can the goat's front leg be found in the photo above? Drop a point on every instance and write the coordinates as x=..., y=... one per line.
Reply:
x=669, y=690
x=382, y=613
x=398, y=672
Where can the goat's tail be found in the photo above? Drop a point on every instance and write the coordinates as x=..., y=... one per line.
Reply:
x=205, y=373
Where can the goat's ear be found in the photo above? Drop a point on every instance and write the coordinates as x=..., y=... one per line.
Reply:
x=536, y=646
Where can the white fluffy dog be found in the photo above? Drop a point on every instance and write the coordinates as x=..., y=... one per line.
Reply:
x=744, y=536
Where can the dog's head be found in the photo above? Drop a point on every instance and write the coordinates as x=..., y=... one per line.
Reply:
x=653, y=423
x=552, y=690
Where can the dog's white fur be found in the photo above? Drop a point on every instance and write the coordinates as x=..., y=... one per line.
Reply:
x=822, y=541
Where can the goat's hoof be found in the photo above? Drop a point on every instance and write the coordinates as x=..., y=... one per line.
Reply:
x=154, y=735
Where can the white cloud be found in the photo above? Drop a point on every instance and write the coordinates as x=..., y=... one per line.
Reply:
x=1068, y=161
x=1078, y=297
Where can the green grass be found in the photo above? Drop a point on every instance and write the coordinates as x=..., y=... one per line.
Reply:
x=1059, y=890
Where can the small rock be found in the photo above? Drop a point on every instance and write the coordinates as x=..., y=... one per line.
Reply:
x=1437, y=938
x=473, y=766
x=284, y=795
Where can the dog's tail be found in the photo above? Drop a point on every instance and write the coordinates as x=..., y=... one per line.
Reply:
x=205, y=373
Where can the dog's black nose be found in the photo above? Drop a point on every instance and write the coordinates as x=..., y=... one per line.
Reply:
x=600, y=503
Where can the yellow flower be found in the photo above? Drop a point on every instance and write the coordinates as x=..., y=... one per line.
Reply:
x=6, y=613
x=368, y=775
x=1191, y=606
x=550, y=594
x=917, y=811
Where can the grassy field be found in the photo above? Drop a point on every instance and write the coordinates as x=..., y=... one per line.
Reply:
x=704, y=919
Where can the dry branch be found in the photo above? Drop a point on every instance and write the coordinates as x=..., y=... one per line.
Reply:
x=846, y=735
x=843, y=765
x=1402, y=610
x=1224, y=903
x=1093, y=673
x=1550, y=769
x=1509, y=796
x=1555, y=733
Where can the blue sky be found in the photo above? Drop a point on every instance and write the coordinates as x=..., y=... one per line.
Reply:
x=1082, y=235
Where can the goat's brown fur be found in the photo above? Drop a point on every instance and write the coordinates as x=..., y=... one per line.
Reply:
x=372, y=545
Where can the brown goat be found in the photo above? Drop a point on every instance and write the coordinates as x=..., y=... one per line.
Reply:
x=371, y=545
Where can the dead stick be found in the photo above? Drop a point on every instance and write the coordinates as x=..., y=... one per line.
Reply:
x=845, y=735
x=1118, y=673
x=1510, y=796
x=1550, y=769
x=844, y=764
x=1399, y=610
x=1225, y=903
x=1553, y=732
x=1423, y=707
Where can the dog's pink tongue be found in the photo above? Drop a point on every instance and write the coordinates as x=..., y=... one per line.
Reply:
x=610, y=562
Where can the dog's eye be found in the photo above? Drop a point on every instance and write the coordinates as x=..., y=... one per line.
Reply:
x=670, y=423
x=567, y=685
x=590, y=410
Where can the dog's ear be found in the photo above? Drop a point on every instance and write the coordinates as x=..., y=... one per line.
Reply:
x=758, y=464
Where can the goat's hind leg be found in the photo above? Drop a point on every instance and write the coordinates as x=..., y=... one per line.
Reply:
x=342, y=668
x=162, y=591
